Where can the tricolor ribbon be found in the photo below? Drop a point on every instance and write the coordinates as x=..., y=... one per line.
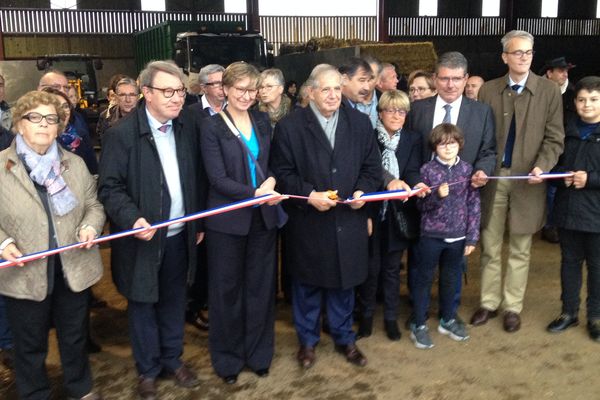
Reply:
x=367, y=197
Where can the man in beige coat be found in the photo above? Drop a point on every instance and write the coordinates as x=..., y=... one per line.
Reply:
x=529, y=137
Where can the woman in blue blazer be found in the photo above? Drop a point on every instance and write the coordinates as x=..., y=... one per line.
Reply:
x=240, y=244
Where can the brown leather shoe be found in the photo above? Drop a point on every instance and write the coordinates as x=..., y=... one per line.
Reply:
x=147, y=388
x=512, y=321
x=353, y=354
x=185, y=377
x=306, y=356
x=482, y=315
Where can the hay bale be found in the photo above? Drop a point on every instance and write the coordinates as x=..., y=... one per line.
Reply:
x=407, y=56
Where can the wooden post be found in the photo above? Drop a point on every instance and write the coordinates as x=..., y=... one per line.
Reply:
x=253, y=15
x=383, y=22
x=1, y=46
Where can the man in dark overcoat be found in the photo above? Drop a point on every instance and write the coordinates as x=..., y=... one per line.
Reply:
x=319, y=148
x=148, y=174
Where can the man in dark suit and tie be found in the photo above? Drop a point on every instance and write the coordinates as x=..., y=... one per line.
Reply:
x=475, y=119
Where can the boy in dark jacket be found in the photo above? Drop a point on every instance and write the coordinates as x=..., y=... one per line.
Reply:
x=577, y=209
x=450, y=218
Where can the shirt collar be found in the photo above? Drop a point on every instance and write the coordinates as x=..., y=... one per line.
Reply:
x=440, y=103
x=521, y=83
x=155, y=124
x=206, y=105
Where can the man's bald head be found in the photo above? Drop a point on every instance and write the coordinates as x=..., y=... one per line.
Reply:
x=56, y=80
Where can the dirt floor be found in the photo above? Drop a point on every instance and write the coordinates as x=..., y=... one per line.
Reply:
x=529, y=364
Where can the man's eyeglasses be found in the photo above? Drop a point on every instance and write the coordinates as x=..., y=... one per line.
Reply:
x=169, y=92
x=216, y=85
x=521, y=53
x=447, y=79
x=130, y=95
x=57, y=86
x=239, y=92
x=34, y=117
x=392, y=111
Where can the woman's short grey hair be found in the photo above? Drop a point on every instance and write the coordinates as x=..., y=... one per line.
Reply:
x=208, y=70
x=153, y=67
x=274, y=73
x=126, y=81
x=318, y=72
x=515, y=34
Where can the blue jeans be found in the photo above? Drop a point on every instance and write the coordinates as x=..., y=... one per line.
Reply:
x=6, y=341
x=449, y=256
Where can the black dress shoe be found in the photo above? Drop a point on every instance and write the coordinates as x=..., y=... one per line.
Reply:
x=230, y=379
x=561, y=323
x=306, y=356
x=352, y=353
x=146, y=388
x=198, y=319
x=391, y=329
x=550, y=234
x=512, y=322
x=93, y=347
x=482, y=315
x=365, y=327
x=262, y=372
x=7, y=356
x=594, y=330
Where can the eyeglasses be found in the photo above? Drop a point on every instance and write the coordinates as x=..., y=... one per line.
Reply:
x=133, y=95
x=447, y=79
x=239, y=92
x=216, y=85
x=450, y=143
x=34, y=117
x=418, y=89
x=267, y=87
x=521, y=53
x=65, y=106
x=169, y=92
x=57, y=86
x=392, y=111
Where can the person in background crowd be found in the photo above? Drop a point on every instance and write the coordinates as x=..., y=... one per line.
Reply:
x=530, y=137
x=240, y=244
x=303, y=97
x=401, y=160
x=111, y=91
x=472, y=87
x=56, y=80
x=73, y=96
x=420, y=85
x=577, y=210
x=147, y=175
x=557, y=70
x=194, y=93
x=5, y=114
x=369, y=104
x=321, y=148
x=291, y=90
x=213, y=100
x=388, y=79
x=61, y=209
x=357, y=77
x=75, y=137
x=126, y=97
x=271, y=98
x=449, y=231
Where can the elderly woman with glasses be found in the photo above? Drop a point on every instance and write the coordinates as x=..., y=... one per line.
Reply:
x=126, y=96
x=271, y=97
x=240, y=244
x=401, y=159
x=47, y=200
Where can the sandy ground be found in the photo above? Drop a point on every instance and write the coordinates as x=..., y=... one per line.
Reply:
x=529, y=364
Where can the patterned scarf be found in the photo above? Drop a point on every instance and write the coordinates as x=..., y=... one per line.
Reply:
x=70, y=139
x=280, y=112
x=45, y=171
x=388, y=156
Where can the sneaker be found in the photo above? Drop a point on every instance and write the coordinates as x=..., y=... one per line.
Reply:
x=420, y=337
x=453, y=328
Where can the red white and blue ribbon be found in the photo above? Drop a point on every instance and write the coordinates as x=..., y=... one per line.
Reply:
x=367, y=197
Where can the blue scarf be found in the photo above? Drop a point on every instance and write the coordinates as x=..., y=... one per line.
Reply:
x=70, y=139
x=45, y=171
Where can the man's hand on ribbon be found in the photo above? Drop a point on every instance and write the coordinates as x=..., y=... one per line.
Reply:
x=479, y=179
x=321, y=200
x=357, y=204
x=579, y=179
x=146, y=235
x=535, y=176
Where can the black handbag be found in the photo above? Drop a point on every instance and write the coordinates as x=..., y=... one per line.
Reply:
x=404, y=219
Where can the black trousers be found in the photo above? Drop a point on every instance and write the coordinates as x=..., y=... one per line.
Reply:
x=156, y=329
x=241, y=273
x=577, y=247
x=30, y=322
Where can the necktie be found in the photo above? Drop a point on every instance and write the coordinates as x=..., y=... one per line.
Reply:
x=164, y=128
x=510, y=139
x=447, y=119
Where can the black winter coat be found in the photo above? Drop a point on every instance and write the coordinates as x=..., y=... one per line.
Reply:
x=578, y=209
x=132, y=185
x=326, y=249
